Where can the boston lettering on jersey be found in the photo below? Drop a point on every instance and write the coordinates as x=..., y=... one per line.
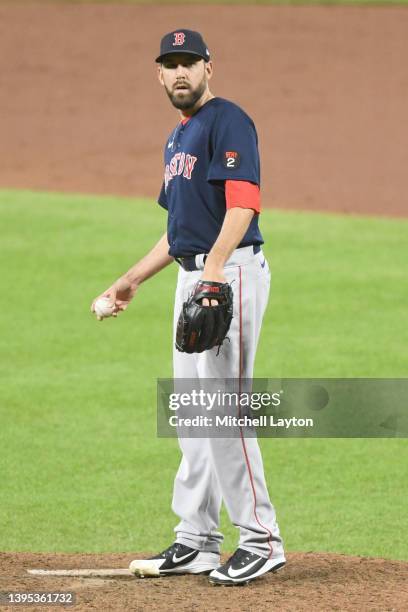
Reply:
x=180, y=164
x=217, y=144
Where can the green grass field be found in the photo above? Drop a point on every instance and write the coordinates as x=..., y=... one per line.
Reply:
x=81, y=466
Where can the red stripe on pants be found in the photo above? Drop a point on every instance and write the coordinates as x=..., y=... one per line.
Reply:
x=251, y=478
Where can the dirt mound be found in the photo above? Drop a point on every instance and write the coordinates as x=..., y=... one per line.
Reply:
x=308, y=582
x=81, y=109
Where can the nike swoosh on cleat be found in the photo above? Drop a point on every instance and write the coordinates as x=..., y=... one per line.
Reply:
x=236, y=573
x=189, y=556
x=263, y=263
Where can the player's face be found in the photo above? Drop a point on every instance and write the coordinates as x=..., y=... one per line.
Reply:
x=185, y=79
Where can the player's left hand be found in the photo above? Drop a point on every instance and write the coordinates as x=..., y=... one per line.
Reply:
x=212, y=275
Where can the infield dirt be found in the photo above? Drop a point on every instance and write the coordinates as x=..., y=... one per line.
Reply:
x=81, y=109
x=308, y=582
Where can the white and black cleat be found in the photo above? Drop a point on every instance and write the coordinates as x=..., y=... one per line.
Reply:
x=177, y=559
x=243, y=567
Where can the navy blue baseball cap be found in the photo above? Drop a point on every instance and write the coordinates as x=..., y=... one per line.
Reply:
x=183, y=41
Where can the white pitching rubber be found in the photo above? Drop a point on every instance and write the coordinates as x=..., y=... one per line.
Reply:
x=82, y=572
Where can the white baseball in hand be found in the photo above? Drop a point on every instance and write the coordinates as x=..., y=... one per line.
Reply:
x=103, y=307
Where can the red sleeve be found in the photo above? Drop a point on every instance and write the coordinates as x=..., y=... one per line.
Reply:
x=242, y=194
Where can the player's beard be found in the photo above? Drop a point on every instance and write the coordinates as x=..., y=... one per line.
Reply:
x=187, y=99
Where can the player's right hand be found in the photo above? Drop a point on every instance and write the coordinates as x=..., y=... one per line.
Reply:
x=120, y=295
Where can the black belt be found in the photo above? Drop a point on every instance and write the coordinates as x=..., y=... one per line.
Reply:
x=189, y=263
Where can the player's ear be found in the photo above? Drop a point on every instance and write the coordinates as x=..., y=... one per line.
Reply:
x=160, y=74
x=209, y=69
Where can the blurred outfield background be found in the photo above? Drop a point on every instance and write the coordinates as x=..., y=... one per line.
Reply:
x=81, y=467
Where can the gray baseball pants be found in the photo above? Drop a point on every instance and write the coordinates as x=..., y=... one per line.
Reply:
x=212, y=469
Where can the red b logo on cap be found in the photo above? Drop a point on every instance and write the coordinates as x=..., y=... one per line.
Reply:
x=179, y=38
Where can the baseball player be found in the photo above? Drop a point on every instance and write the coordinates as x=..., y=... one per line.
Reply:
x=212, y=197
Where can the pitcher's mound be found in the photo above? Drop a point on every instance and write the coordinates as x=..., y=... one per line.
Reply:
x=309, y=581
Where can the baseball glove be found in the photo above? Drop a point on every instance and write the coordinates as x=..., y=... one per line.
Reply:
x=199, y=327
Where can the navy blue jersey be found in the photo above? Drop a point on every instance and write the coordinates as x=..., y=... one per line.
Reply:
x=216, y=144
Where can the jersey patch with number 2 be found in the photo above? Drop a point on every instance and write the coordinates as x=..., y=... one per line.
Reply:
x=231, y=159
